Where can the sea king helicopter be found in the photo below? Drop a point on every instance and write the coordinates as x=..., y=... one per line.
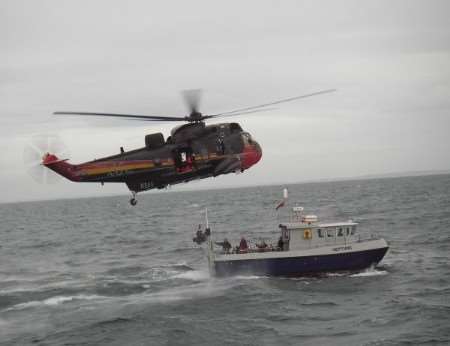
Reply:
x=192, y=151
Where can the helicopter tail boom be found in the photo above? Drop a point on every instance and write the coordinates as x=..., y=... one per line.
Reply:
x=62, y=167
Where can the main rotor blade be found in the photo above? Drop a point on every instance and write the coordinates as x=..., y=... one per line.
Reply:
x=129, y=116
x=192, y=99
x=240, y=113
x=236, y=111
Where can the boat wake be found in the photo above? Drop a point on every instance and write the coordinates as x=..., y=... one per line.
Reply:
x=370, y=272
x=194, y=275
x=250, y=277
x=366, y=273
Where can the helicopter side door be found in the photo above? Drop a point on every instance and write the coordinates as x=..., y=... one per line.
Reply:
x=183, y=157
x=220, y=144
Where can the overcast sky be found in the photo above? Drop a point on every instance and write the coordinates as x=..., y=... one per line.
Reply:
x=389, y=60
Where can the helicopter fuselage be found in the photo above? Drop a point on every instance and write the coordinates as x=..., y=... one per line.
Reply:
x=193, y=151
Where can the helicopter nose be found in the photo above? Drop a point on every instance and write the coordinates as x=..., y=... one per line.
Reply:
x=251, y=155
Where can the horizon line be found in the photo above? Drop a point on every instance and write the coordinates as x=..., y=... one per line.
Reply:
x=308, y=181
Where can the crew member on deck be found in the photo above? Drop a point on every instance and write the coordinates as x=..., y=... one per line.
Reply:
x=243, y=246
x=226, y=246
x=280, y=243
x=261, y=244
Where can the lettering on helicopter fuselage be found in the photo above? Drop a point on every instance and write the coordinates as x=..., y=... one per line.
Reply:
x=116, y=173
x=147, y=185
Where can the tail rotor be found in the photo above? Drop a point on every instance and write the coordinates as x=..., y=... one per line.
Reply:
x=35, y=152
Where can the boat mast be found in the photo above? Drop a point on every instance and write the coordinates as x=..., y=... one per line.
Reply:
x=211, y=255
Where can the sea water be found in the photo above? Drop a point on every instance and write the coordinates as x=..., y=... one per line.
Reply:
x=97, y=271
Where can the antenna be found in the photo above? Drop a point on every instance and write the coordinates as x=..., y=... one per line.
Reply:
x=283, y=202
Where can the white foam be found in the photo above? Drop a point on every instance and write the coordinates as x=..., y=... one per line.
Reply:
x=52, y=301
x=194, y=291
x=16, y=290
x=249, y=277
x=336, y=274
x=195, y=275
x=177, y=264
x=40, y=288
x=369, y=272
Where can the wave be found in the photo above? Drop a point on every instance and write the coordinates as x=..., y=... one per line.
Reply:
x=331, y=275
x=249, y=277
x=317, y=304
x=138, y=274
x=197, y=290
x=369, y=273
x=366, y=273
x=181, y=266
x=53, y=301
x=38, y=286
x=114, y=321
x=127, y=270
x=194, y=275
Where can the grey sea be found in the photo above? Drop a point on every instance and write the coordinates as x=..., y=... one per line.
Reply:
x=99, y=272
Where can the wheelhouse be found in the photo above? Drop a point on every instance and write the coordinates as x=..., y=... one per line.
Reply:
x=304, y=235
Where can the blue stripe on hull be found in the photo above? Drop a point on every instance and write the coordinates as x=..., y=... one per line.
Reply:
x=300, y=266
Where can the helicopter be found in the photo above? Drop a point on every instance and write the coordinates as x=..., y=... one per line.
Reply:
x=193, y=150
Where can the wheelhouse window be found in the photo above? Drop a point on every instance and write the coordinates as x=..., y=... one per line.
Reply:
x=347, y=231
x=320, y=232
x=353, y=230
x=340, y=232
x=331, y=233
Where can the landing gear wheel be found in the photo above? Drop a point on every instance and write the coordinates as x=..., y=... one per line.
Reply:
x=133, y=200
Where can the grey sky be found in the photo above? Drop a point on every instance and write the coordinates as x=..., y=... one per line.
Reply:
x=389, y=60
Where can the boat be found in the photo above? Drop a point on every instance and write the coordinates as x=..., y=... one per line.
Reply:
x=305, y=247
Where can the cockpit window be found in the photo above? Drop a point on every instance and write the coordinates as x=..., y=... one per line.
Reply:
x=247, y=138
x=234, y=127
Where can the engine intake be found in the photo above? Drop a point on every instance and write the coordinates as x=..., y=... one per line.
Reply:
x=155, y=140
